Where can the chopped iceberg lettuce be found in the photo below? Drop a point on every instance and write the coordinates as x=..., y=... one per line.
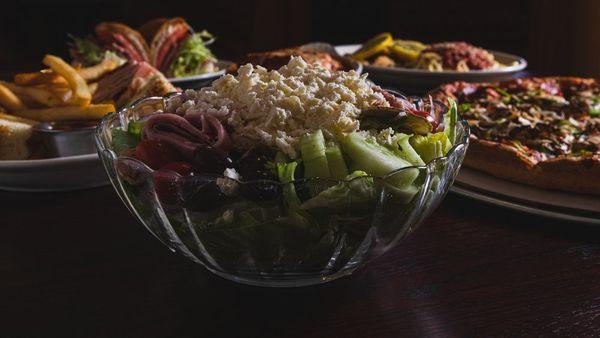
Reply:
x=431, y=146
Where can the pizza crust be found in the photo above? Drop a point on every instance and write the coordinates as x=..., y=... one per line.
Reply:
x=580, y=175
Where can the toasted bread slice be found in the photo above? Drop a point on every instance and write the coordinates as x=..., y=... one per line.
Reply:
x=149, y=29
x=14, y=134
x=155, y=85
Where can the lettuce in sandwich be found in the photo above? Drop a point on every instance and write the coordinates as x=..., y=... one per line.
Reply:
x=194, y=57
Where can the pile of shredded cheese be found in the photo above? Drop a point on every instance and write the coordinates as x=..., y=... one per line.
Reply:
x=278, y=107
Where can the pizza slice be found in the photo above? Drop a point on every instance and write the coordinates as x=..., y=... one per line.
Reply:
x=544, y=132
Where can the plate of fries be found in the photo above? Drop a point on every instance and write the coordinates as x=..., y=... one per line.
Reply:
x=59, y=93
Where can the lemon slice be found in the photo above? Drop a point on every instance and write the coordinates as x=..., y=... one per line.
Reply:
x=375, y=45
x=406, y=50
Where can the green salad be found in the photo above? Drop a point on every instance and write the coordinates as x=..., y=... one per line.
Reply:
x=224, y=182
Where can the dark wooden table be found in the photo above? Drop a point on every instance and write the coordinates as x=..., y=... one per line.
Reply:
x=77, y=264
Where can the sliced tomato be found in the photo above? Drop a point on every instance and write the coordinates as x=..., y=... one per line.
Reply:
x=155, y=154
x=167, y=185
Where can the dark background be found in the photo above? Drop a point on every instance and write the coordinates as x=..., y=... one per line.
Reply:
x=556, y=37
x=30, y=29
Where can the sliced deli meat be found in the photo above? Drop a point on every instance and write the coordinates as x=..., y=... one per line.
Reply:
x=166, y=39
x=124, y=40
x=186, y=133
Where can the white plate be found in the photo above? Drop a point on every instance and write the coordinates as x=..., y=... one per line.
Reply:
x=54, y=174
x=419, y=80
x=202, y=78
x=550, y=203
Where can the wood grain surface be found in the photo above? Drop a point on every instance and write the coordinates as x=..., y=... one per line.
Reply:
x=77, y=264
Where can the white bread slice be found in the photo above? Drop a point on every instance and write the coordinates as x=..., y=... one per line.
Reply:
x=14, y=133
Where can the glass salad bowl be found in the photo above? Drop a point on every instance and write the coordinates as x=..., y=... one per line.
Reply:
x=301, y=232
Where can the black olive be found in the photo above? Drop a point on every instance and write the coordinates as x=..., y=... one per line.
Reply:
x=260, y=190
x=299, y=172
x=201, y=193
x=254, y=163
x=210, y=160
x=303, y=189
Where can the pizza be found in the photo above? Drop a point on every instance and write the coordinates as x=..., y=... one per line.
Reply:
x=543, y=132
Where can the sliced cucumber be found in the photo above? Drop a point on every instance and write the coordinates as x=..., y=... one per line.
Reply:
x=376, y=159
x=312, y=148
x=405, y=194
x=403, y=148
x=285, y=172
x=335, y=161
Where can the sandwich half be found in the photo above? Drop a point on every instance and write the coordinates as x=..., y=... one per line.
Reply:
x=124, y=40
x=176, y=50
x=131, y=82
x=169, y=45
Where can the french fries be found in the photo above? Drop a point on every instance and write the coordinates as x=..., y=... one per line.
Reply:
x=58, y=93
x=16, y=118
x=90, y=112
x=63, y=93
x=48, y=76
x=45, y=76
x=37, y=94
x=81, y=94
x=9, y=100
x=93, y=87
x=95, y=72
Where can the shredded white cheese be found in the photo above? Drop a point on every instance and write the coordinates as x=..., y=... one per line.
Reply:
x=278, y=107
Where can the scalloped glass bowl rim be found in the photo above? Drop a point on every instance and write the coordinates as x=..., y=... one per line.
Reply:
x=104, y=146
